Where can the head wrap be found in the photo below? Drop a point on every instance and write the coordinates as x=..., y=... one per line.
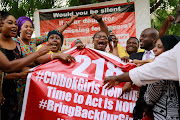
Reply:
x=169, y=41
x=21, y=21
x=57, y=33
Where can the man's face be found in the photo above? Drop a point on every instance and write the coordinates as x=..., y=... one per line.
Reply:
x=146, y=40
x=100, y=41
x=132, y=45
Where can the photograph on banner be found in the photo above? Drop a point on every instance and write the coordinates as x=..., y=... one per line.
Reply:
x=119, y=17
x=59, y=91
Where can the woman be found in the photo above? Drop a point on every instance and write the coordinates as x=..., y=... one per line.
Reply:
x=25, y=31
x=11, y=49
x=163, y=95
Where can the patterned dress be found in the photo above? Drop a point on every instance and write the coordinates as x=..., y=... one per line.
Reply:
x=163, y=95
x=26, y=50
x=9, y=109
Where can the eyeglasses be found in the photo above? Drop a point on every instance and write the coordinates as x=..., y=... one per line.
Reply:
x=98, y=36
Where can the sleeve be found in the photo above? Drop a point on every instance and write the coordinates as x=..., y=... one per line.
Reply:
x=121, y=51
x=163, y=67
x=39, y=40
x=154, y=92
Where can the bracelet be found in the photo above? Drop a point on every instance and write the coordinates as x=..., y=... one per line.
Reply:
x=52, y=56
x=100, y=19
x=67, y=24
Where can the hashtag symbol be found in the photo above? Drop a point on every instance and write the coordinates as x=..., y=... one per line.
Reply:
x=43, y=104
x=40, y=75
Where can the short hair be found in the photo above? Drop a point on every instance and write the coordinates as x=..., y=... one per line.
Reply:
x=154, y=31
x=134, y=38
x=97, y=33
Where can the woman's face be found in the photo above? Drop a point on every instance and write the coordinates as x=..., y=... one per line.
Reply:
x=55, y=42
x=9, y=26
x=26, y=30
x=159, y=48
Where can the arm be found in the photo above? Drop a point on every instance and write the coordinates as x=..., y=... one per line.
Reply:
x=41, y=39
x=48, y=57
x=102, y=25
x=154, y=92
x=163, y=67
x=166, y=25
x=18, y=64
x=62, y=28
x=16, y=76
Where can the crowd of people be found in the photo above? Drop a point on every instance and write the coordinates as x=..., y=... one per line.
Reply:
x=158, y=97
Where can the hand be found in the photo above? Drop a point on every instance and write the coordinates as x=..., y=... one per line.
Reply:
x=23, y=74
x=44, y=49
x=95, y=16
x=111, y=81
x=138, y=62
x=80, y=46
x=170, y=19
x=66, y=57
x=73, y=17
x=126, y=88
x=114, y=39
x=125, y=59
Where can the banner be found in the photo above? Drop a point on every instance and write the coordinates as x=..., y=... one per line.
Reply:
x=119, y=17
x=61, y=91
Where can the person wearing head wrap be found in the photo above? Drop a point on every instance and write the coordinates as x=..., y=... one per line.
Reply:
x=25, y=31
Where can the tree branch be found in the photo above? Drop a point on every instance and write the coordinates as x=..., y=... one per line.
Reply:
x=155, y=6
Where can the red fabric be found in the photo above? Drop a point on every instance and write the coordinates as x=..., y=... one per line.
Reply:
x=81, y=83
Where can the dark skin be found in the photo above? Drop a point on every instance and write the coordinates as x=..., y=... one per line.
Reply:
x=132, y=45
x=18, y=64
x=148, y=38
x=112, y=81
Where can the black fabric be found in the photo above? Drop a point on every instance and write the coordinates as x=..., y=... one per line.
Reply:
x=57, y=33
x=140, y=103
x=9, y=108
x=137, y=56
x=169, y=41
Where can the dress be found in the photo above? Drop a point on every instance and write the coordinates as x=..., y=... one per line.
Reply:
x=163, y=96
x=9, y=108
x=26, y=50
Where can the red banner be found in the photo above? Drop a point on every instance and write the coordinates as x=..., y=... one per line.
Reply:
x=119, y=17
x=59, y=91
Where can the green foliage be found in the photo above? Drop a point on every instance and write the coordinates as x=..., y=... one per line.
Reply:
x=161, y=13
x=25, y=7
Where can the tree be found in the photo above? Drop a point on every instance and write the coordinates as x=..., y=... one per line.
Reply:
x=27, y=7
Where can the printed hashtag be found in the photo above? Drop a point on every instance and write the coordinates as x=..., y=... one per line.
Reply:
x=40, y=75
x=43, y=104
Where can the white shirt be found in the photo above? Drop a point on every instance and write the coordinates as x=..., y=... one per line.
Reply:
x=163, y=67
x=151, y=55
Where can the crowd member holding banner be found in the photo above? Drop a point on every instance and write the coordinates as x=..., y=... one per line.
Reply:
x=56, y=39
x=12, y=51
x=28, y=44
